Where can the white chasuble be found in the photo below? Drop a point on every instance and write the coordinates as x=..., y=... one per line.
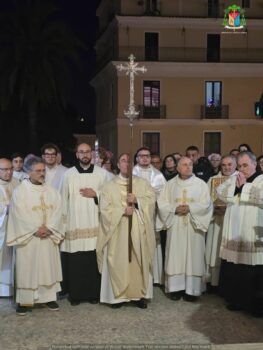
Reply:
x=185, y=246
x=81, y=214
x=156, y=179
x=242, y=241
x=123, y=280
x=6, y=253
x=38, y=267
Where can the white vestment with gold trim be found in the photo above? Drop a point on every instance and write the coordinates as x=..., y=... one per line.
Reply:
x=185, y=246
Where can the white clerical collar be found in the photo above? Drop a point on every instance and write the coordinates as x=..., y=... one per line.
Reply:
x=123, y=177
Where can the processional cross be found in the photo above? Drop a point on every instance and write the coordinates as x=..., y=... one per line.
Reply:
x=131, y=69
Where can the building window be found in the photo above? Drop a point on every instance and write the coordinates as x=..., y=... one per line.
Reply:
x=212, y=142
x=151, y=7
x=213, y=48
x=151, y=43
x=213, y=8
x=151, y=94
x=213, y=93
x=152, y=141
x=246, y=4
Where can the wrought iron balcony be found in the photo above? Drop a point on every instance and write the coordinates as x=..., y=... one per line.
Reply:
x=152, y=112
x=219, y=112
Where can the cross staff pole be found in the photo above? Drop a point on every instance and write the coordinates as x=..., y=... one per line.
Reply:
x=131, y=69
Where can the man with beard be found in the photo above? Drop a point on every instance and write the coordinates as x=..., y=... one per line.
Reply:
x=35, y=228
x=80, y=191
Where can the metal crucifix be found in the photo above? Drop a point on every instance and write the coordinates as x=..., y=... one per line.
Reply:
x=131, y=69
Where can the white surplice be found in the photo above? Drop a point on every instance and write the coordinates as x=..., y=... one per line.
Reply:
x=185, y=246
x=157, y=181
x=242, y=240
x=38, y=267
x=54, y=176
x=81, y=214
x=6, y=253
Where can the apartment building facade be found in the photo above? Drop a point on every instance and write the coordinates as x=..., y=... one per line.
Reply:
x=201, y=84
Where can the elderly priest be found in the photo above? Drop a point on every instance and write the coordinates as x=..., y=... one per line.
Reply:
x=35, y=228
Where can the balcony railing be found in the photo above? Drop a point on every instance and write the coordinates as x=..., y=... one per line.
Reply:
x=193, y=54
x=152, y=112
x=219, y=112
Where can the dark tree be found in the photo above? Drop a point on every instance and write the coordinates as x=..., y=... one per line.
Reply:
x=37, y=55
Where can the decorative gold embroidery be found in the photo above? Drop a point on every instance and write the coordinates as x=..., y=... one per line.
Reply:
x=216, y=182
x=43, y=207
x=82, y=233
x=184, y=200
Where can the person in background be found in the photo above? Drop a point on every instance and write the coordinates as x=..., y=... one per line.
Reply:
x=169, y=167
x=201, y=165
x=234, y=152
x=215, y=160
x=177, y=156
x=244, y=147
x=17, y=163
x=156, y=161
x=260, y=164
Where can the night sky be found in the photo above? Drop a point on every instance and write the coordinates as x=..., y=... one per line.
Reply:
x=81, y=16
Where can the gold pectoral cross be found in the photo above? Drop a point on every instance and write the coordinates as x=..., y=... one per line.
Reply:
x=184, y=200
x=43, y=207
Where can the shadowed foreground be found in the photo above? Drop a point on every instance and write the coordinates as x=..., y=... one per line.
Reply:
x=165, y=324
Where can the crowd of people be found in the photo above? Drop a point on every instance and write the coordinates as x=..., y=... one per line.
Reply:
x=94, y=233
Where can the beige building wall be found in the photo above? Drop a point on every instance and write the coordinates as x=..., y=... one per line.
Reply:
x=182, y=71
x=177, y=137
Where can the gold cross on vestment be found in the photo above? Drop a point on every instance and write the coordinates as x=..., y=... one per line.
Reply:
x=43, y=207
x=183, y=201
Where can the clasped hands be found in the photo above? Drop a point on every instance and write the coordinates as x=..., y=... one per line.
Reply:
x=43, y=232
x=241, y=180
x=131, y=201
x=182, y=209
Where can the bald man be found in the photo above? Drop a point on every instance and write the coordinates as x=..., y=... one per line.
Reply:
x=186, y=209
x=7, y=185
x=80, y=195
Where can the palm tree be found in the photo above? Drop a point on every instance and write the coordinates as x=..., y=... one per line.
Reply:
x=36, y=54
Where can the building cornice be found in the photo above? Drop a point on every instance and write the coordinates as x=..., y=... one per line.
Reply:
x=199, y=69
x=174, y=22
x=181, y=122
x=192, y=122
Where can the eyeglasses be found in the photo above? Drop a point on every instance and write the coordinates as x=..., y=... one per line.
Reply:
x=6, y=169
x=50, y=154
x=144, y=155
